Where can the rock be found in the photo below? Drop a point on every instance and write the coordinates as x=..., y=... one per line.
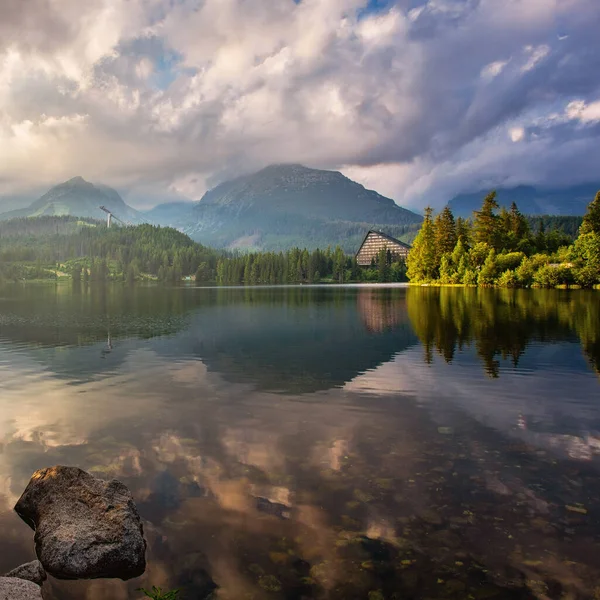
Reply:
x=31, y=571
x=12, y=588
x=85, y=528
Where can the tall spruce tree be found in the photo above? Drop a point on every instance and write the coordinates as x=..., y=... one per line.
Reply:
x=486, y=223
x=591, y=221
x=463, y=231
x=421, y=261
x=519, y=225
x=445, y=233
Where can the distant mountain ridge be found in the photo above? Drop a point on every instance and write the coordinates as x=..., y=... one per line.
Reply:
x=290, y=205
x=78, y=197
x=568, y=201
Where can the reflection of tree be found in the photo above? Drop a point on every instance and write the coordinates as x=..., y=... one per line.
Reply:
x=501, y=323
x=381, y=309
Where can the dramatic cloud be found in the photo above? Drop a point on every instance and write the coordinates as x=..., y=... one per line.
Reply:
x=416, y=98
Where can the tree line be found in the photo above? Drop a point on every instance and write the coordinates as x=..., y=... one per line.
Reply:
x=47, y=247
x=93, y=253
x=499, y=248
x=301, y=266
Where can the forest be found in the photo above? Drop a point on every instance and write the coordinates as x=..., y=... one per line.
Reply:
x=86, y=250
x=50, y=247
x=499, y=248
x=496, y=248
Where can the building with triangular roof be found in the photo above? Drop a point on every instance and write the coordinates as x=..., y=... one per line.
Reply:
x=373, y=243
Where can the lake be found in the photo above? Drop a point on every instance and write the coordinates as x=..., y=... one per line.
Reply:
x=317, y=442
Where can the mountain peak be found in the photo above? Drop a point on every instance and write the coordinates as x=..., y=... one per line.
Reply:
x=80, y=198
x=77, y=181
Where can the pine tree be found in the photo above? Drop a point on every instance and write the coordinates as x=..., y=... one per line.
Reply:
x=445, y=232
x=486, y=223
x=540, y=239
x=519, y=224
x=591, y=221
x=421, y=261
x=463, y=232
x=489, y=270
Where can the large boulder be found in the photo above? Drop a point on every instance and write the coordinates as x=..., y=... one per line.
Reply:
x=85, y=528
x=31, y=571
x=12, y=588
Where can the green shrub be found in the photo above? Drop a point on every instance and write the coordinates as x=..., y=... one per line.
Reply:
x=508, y=279
x=509, y=261
x=156, y=593
x=470, y=277
x=487, y=275
x=551, y=276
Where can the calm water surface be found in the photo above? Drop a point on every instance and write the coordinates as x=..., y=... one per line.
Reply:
x=334, y=443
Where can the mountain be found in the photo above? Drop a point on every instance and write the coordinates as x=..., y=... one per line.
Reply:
x=292, y=205
x=168, y=213
x=78, y=197
x=531, y=200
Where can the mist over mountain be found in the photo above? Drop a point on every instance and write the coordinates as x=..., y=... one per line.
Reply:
x=287, y=205
x=531, y=200
x=80, y=198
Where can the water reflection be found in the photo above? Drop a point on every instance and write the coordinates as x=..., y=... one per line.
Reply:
x=502, y=323
x=366, y=474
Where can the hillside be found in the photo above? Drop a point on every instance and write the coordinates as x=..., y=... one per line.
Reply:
x=77, y=197
x=290, y=205
x=45, y=226
x=531, y=200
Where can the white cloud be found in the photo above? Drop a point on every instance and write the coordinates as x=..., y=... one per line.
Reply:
x=493, y=69
x=585, y=113
x=517, y=134
x=533, y=56
x=174, y=95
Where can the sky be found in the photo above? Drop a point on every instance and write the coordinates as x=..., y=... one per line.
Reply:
x=418, y=99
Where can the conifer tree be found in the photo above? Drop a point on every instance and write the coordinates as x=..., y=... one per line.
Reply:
x=445, y=232
x=463, y=232
x=591, y=221
x=421, y=261
x=486, y=225
x=519, y=224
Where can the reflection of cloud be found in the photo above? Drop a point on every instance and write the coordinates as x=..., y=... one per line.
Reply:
x=449, y=389
x=358, y=466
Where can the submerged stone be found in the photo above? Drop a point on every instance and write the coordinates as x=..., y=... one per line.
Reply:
x=85, y=528
x=12, y=588
x=31, y=571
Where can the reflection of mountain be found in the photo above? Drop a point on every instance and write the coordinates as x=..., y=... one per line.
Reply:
x=280, y=339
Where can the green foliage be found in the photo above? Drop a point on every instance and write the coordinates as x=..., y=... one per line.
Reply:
x=421, y=262
x=503, y=252
x=591, y=221
x=486, y=225
x=550, y=276
x=508, y=279
x=445, y=232
x=156, y=593
x=509, y=261
x=302, y=266
x=489, y=270
x=101, y=254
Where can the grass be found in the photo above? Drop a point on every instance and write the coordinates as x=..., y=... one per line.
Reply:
x=156, y=593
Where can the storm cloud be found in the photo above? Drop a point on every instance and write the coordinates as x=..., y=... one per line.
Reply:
x=417, y=99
